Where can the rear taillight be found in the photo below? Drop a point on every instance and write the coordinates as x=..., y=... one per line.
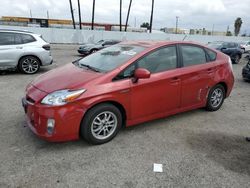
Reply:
x=46, y=47
x=230, y=63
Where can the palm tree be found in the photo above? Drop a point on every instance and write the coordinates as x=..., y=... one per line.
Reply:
x=80, y=16
x=72, y=14
x=151, y=18
x=93, y=15
x=237, y=25
x=120, y=15
x=128, y=15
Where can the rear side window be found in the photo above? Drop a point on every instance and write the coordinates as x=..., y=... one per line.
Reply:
x=211, y=55
x=27, y=38
x=192, y=55
x=7, y=38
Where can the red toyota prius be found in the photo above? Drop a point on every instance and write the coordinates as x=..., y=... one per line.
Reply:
x=123, y=85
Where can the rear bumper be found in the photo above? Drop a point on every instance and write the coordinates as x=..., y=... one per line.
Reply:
x=83, y=52
x=67, y=121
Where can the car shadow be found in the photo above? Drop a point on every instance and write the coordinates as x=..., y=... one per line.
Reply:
x=230, y=151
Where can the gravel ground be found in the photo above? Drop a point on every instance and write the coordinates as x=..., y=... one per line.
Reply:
x=196, y=148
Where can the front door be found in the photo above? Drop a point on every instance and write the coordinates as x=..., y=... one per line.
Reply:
x=161, y=92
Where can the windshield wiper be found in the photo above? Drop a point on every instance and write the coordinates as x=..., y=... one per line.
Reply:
x=89, y=67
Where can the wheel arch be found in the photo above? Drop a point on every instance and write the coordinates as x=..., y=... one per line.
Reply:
x=26, y=55
x=112, y=102
x=224, y=84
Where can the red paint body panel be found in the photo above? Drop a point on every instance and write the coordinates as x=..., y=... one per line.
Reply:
x=163, y=94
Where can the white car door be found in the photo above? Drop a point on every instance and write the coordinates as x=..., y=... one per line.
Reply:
x=10, y=49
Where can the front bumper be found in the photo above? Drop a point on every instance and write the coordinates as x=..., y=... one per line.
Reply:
x=67, y=120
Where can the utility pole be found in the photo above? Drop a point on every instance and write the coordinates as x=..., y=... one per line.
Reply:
x=120, y=15
x=176, y=26
x=30, y=14
x=93, y=15
x=47, y=14
x=128, y=15
x=151, y=17
x=72, y=14
x=80, y=16
x=213, y=30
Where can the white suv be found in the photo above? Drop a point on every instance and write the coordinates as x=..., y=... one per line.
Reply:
x=24, y=51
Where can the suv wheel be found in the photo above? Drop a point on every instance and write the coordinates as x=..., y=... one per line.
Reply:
x=29, y=65
x=101, y=124
x=215, y=98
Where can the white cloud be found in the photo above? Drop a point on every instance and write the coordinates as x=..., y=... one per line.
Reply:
x=193, y=14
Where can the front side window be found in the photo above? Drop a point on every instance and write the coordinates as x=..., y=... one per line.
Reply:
x=7, y=38
x=192, y=55
x=160, y=60
x=110, y=58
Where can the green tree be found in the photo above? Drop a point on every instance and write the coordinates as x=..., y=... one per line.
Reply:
x=145, y=25
x=237, y=25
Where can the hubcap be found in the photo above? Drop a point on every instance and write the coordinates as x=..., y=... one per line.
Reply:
x=104, y=125
x=30, y=65
x=216, y=97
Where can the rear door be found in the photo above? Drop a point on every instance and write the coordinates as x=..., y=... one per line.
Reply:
x=196, y=75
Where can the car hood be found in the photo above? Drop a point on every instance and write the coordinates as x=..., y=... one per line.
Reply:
x=66, y=77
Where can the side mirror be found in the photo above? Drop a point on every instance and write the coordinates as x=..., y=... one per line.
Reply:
x=141, y=73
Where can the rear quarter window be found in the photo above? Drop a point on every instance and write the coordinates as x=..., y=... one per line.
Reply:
x=27, y=38
x=211, y=55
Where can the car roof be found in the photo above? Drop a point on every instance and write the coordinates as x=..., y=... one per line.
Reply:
x=152, y=44
x=16, y=31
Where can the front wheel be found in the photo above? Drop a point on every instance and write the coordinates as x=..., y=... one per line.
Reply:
x=101, y=124
x=215, y=98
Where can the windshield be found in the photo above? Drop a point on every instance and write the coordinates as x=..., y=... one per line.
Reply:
x=110, y=58
x=214, y=45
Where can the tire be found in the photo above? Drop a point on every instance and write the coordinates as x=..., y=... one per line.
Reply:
x=96, y=124
x=215, y=98
x=93, y=51
x=29, y=65
x=237, y=59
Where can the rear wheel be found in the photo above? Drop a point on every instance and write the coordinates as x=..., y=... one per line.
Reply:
x=29, y=65
x=215, y=98
x=101, y=124
x=237, y=58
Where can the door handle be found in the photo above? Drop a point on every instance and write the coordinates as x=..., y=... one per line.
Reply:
x=19, y=47
x=210, y=70
x=174, y=80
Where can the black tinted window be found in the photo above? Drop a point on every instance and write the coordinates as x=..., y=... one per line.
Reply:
x=7, y=38
x=161, y=60
x=192, y=55
x=211, y=54
x=27, y=38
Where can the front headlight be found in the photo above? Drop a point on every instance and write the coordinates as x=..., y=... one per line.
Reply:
x=62, y=97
